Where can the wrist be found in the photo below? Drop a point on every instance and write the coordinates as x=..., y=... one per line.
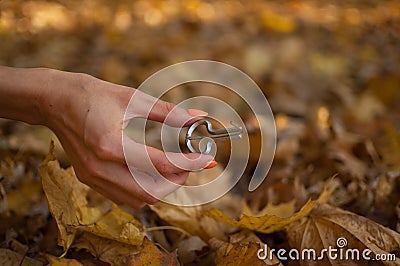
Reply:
x=63, y=91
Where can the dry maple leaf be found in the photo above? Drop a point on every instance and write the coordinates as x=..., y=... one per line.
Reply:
x=241, y=249
x=328, y=226
x=151, y=255
x=65, y=195
x=68, y=205
x=115, y=224
x=268, y=222
x=107, y=250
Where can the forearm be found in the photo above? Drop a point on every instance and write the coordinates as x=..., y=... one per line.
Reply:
x=33, y=95
x=22, y=92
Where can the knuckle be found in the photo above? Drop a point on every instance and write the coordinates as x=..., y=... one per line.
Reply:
x=162, y=168
x=105, y=149
x=168, y=107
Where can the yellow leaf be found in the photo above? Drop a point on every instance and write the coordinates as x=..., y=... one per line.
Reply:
x=269, y=223
x=116, y=225
x=278, y=23
x=283, y=210
x=32, y=191
x=151, y=255
x=54, y=261
x=242, y=249
x=107, y=250
x=68, y=205
x=328, y=226
x=65, y=195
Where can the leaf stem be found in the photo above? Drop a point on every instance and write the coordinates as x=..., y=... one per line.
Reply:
x=167, y=227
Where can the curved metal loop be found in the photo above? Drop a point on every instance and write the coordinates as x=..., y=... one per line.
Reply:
x=221, y=133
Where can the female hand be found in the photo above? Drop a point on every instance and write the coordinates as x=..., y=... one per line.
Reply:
x=87, y=115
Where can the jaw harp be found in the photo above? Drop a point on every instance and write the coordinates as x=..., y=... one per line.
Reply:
x=221, y=133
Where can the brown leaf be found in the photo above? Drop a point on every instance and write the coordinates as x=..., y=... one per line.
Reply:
x=107, y=250
x=54, y=261
x=389, y=148
x=151, y=255
x=3, y=200
x=241, y=250
x=192, y=249
x=327, y=225
x=192, y=220
x=9, y=257
x=189, y=219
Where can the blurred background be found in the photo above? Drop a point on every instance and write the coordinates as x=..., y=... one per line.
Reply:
x=330, y=70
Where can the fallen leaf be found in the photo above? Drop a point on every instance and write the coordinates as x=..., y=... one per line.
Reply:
x=192, y=220
x=32, y=191
x=67, y=202
x=191, y=249
x=9, y=257
x=241, y=250
x=389, y=148
x=189, y=219
x=65, y=195
x=283, y=210
x=269, y=223
x=151, y=255
x=107, y=250
x=54, y=261
x=327, y=226
x=115, y=224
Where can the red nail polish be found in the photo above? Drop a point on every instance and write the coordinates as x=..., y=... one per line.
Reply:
x=211, y=165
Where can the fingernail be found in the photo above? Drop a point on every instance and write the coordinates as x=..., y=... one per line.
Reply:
x=211, y=165
x=195, y=112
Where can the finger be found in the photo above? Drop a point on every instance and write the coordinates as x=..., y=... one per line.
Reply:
x=133, y=184
x=169, y=162
x=154, y=161
x=146, y=106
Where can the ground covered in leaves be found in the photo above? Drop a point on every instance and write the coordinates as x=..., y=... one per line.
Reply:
x=331, y=72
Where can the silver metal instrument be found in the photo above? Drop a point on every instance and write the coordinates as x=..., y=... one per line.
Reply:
x=221, y=133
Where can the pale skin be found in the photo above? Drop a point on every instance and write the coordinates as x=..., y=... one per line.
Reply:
x=87, y=115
